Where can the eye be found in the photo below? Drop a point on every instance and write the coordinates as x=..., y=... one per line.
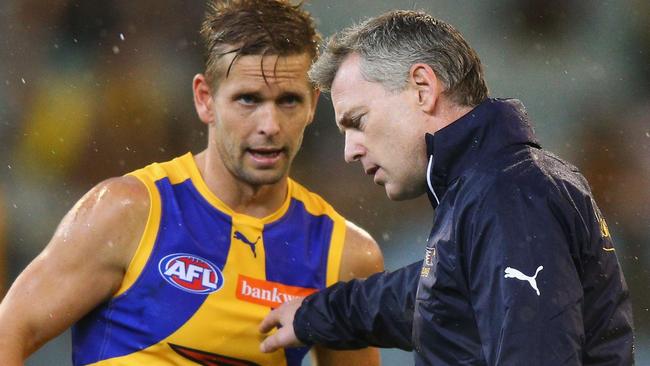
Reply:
x=289, y=100
x=247, y=99
x=358, y=122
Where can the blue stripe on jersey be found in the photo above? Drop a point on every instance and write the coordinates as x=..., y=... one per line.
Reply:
x=152, y=309
x=296, y=254
x=297, y=247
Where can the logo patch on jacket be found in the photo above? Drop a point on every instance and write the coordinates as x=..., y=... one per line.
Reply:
x=190, y=273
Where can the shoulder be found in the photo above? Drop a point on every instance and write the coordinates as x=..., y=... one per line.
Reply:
x=313, y=202
x=533, y=186
x=109, y=219
x=524, y=173
x=113, y=198
x=361, y=254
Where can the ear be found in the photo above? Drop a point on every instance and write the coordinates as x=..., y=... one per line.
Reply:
x=203, y=99
x=314, y=104
x=426, y=85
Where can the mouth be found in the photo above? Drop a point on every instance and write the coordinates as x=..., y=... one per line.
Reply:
x=372, y=170
x=266, y=156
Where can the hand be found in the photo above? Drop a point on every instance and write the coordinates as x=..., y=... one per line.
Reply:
x=282, y=318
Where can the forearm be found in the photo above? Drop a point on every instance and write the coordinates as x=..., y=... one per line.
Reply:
x=360, y=313
x=13, y=348
x=322, y=356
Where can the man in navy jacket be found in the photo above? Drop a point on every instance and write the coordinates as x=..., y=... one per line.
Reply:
x=519, y=267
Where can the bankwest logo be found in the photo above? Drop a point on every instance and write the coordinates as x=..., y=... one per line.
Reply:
x=267, y=293
x=190, y=273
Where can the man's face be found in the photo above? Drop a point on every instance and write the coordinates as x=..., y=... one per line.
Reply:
x=383, y=130
x=259, y=124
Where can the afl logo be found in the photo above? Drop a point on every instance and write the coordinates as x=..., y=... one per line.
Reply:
x=190, y=273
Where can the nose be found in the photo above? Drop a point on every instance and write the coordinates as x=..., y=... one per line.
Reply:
x=354, y=149
x=269, y=120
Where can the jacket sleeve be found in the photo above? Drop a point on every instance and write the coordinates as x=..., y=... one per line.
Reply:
x=523, y=277
x=377, y=311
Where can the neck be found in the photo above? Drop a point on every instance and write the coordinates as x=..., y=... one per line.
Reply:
x=242, y=197
x=446, y=113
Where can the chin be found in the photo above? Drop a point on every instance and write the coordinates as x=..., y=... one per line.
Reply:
x=402, y=194
x=260, y=178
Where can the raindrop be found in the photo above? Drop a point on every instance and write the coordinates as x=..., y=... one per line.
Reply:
x=9, y=166
x=122, y=36
x=23, y=80
x=116, y=50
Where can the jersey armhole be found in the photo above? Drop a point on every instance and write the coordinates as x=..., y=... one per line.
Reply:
x=148, y=238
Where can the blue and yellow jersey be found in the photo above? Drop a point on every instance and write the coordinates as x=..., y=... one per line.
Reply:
x=203, y=276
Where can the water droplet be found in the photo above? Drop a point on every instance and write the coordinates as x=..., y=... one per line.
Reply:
x=116, y=50
x=23, y=80
x=122, y=36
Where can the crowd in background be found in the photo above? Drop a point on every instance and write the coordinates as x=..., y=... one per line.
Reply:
x=90, y=90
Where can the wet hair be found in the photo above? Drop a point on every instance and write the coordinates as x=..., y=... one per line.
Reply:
x=391, y=43
x=254, y=27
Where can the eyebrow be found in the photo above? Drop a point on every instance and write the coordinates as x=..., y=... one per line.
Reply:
x=348, y=120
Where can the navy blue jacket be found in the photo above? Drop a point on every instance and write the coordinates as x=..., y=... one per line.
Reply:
x=519, y=268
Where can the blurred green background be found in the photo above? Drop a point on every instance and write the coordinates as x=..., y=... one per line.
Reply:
x=93, y=89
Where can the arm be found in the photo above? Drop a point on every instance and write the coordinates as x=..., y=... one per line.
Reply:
x=377, y=311
x=88, y=255
x=524, y=284
x=361, y=258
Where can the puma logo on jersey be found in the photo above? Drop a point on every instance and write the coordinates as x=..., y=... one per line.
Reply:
x=515, y=273
x=190, y=273
x=241, y=237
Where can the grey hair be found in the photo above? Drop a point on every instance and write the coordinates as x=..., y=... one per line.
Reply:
x=391, y=43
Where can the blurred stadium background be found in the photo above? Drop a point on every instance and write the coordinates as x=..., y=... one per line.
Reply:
x=92, y=89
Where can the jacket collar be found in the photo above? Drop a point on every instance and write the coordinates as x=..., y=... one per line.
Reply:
x=489, y=127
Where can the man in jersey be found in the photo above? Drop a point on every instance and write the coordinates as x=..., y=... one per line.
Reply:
x=177, y=263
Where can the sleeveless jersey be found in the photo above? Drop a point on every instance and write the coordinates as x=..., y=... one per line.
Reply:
x=203, y=276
